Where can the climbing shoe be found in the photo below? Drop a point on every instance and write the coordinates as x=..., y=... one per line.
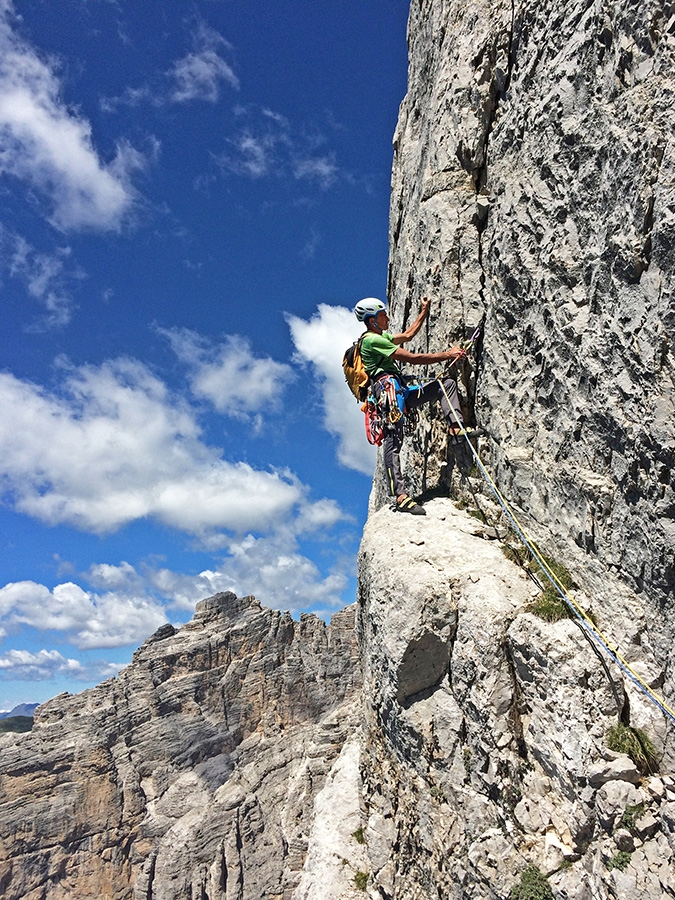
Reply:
x=408, y=505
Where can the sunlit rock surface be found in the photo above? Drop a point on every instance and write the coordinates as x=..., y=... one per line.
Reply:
x=484, y=726
x=533, y=197
x=194, y=773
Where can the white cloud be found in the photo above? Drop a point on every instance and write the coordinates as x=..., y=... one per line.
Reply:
x=91, y=620
x=114, y=446
x=229, y=376
x=43, y=275
x=43, y=664
x=254, y=156
x=198, y=75
x=48, y=146
x=47, y=664
x=126, y=605
x=271, y=568
x=266, y=145
x=311, y=245
x=132, y=97
x=320, y=168
x=322, y=341
x=107, y=576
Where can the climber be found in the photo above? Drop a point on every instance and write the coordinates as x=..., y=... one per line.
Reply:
x=381, y=353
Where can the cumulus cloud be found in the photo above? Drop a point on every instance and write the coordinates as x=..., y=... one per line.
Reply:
x=279, y=578
x=321, y=342
x=199, y=74
x=114, y=446
x=124, y=605
x=266, y=145
x=91, y=620
x=271, y=567
x=229, y=376
x=47, y=664
x=50, y=147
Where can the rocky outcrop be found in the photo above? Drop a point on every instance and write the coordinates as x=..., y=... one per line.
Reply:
x=485, y=727
x=533, y=192
x=194, y=773
x=533, y=197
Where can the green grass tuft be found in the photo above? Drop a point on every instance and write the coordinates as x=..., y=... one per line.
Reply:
x=437, y=793
x=550, y=607
x=533, y=886
x=560, y=573
x=514, y=554
x=361, y=880
x=358, y=835
x=620, y=861
x=636, y=744
x=630, y=814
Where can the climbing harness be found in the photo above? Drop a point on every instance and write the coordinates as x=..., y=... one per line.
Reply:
x=582, y=618
x=385, y=409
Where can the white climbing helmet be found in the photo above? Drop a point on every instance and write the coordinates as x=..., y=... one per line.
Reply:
x=369, y=306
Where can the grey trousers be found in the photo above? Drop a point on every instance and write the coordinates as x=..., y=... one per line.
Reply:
x=416, y=395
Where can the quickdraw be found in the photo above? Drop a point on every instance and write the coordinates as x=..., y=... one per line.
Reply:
x=412, y=418
x=384, y=410
x=374, y=426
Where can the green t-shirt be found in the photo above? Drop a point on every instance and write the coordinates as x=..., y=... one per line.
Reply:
x=377, y=354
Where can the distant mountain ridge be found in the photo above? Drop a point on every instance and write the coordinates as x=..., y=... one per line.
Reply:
x=23, y=709
x=195, y=772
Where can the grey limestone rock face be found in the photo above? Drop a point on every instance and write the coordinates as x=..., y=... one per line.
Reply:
x=192, y=774
x=487, y=753
x=533, y=195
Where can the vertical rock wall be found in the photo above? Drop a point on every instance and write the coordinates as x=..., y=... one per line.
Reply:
x=534, y=194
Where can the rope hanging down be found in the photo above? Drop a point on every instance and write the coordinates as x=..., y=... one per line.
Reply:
x=579, y=614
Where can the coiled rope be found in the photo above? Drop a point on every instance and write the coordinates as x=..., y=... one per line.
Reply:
x=586, y=623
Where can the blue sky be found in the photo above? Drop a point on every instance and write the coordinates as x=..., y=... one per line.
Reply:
x=193, y=195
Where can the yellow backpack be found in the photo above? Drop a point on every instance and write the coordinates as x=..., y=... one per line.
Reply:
x=355, y=373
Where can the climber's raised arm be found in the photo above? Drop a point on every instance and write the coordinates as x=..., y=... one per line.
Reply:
x=424, y=359
x=410, y=332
